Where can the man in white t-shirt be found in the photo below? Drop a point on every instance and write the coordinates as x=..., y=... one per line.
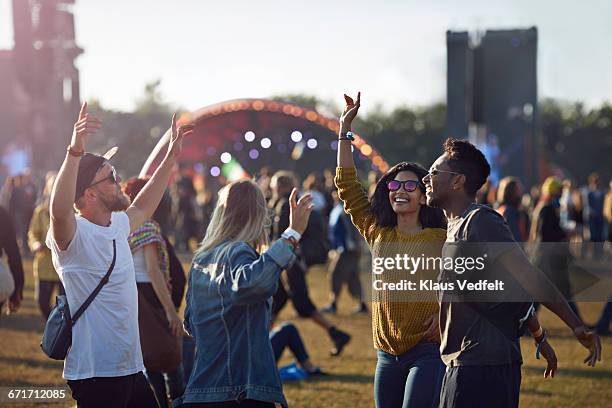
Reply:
x=104, y=366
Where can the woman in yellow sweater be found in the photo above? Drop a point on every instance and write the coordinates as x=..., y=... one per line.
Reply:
x=397, y=226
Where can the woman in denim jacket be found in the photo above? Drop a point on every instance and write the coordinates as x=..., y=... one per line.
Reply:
x=231, y=281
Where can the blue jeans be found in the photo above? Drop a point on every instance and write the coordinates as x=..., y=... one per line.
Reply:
x=412, y=379
x=287, y=335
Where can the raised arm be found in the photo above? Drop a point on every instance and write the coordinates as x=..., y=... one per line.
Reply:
x=350, y=191
x=255, y=278
x=345, y=154
x=63, y=223
x=148, y=199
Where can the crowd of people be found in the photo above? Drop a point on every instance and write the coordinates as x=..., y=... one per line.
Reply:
x=253, y=243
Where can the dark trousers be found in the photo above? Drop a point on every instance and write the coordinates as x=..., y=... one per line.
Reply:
x=44, y=291
x=130, y=391
x=481, y=386
x=297, y=292
x=167, y=384
x=287, y=335
x=345, y=269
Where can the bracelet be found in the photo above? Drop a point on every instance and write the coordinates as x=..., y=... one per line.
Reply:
x=74, y=153
x=537, y=333
x=539, y=343
x=346, y=136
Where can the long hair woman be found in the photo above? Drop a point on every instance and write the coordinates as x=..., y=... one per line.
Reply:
x=395, y=222
x=231, y=282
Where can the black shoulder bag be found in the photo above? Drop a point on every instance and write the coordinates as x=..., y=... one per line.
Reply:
x=57, y=337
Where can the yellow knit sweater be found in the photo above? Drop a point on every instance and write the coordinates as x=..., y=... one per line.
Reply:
x=397, y=318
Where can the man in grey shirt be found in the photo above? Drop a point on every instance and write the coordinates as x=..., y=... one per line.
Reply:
x=483, y=306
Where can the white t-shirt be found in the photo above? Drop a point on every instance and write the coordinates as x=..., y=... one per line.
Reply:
x=140, y=267
x=105, y=339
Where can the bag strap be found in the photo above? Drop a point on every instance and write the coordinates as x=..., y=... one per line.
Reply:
x=95, y=292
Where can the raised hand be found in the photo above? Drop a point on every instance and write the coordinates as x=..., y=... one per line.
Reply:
x=176, y=138
x=350, y=111
x=591, y=341
x=299, y=211
x=86, y=125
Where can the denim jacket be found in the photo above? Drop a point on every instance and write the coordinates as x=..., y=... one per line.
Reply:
x=228, y=313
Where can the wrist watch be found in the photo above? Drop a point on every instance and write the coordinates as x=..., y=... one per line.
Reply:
x=347, y=136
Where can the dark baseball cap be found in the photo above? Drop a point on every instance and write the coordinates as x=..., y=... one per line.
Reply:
x=88, y=167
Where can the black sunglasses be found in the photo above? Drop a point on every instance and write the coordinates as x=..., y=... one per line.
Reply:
x=111, y=177
x=409, y=185
x=435, y=172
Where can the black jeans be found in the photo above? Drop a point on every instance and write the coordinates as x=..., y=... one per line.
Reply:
x=297, y=292
x=481, y=386
x=130, y=391
x=287, y=335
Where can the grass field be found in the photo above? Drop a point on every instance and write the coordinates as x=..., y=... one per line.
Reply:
x=350, y=385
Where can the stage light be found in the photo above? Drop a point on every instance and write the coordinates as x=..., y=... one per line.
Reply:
x=282, y=148
x=311, y=143
x=238, y=146
x=226, y=157
x=249, y=136
x=215, y=171
x=211, y=151
x=366, y=150
x=296, y=136
x=334, y=145
x=266, y=143
x=253, y=154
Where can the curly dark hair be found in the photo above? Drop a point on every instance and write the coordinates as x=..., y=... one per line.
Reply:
x=466, y=159
x=381, y=207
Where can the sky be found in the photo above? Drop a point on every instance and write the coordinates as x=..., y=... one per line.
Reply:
x=393, y=51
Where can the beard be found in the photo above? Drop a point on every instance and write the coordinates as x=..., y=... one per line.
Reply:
x=433, y=202
x=118, y=202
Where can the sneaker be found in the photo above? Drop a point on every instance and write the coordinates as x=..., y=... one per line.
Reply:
x=329, y=309
x=340, y=340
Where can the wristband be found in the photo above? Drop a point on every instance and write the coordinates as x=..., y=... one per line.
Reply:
x=346, y=136
x=291, y=233
x=74, y=153
x=539, y=344
x=537, y=333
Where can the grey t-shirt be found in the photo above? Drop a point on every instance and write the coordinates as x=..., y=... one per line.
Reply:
x=479, y=327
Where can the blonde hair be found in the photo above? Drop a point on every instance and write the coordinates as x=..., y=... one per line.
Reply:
x=241, y=214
